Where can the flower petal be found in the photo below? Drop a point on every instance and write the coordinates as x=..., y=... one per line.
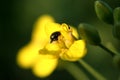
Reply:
x=66, y=32
x=51, y=49
x=27, y=55
x=51, y=27
x=45, y=65
x=39, y=34
x=74, y=32
x=75, y=52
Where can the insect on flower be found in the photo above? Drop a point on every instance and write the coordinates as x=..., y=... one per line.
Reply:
x=50, y=41
x=54, y=36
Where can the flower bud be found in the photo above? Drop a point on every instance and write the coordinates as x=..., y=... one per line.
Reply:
x=116, y=15
x=116, y=61
x=89, y=34
x=116, y=30
x=104, y=12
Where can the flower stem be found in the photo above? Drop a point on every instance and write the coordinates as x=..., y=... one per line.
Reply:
x=75, y=71
x=97, y=75
x=108, y=50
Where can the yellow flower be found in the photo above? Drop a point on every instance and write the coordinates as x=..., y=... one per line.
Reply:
x=49, y=42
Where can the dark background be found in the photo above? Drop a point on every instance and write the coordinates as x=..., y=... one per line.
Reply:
x=16, y=22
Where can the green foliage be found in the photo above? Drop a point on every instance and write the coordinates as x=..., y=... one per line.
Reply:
x=116, y=15
x=116, y=30
x=107, y=15
x=116, y=27
x=116, y=60
x=104, y=11
x=89, y=34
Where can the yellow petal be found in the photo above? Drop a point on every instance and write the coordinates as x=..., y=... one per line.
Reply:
x=27, y=55
x=51, y=27
x=67, y=34
x=74, y=32
x=54, y=46
x=45, y=65
x=75, y=52
x=67, y=29
x=39, y=34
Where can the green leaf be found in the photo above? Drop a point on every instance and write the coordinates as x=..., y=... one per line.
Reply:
x=104, y=12
x=116, y=61
x=89, y=34
x=116, y=15
x=116, y=30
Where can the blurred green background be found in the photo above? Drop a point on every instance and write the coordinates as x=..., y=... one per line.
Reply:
x=16, y=23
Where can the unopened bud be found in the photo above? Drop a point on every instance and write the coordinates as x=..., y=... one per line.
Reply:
x=104, y=12
x=89, y=34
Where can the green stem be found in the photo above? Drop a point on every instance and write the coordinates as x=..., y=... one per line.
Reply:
x=108, y=50
x=75, y=71
x=97, y=75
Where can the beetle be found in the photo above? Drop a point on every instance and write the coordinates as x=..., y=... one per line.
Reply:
x=54, y=36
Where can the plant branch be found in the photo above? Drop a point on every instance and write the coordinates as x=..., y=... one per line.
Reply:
x=108, y=50
x=75, y=71
x=97, y=75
